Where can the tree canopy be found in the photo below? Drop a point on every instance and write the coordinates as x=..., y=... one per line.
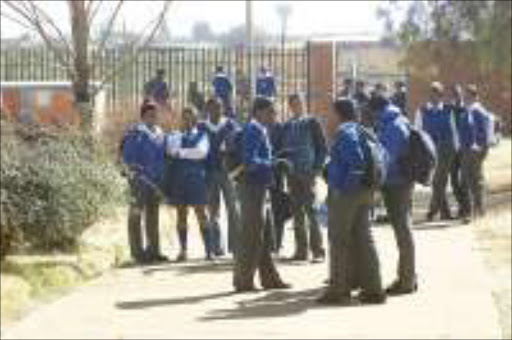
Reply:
x=485, y=24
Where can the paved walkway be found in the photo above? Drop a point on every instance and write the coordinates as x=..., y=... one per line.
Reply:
x=194, y=300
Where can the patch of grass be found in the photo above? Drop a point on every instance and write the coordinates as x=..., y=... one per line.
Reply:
x=15, y=295
x=495, y=242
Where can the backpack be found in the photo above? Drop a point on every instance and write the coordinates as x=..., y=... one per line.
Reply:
x=234, y=152
x=375, y=169
x=421, y=159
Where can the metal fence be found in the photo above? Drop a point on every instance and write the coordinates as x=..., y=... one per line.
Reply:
x=183, y=65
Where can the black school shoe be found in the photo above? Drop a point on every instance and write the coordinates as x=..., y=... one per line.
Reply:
x=319, y=256
x=335, y=299
x=371, y=298
x=396, y=288
x=246, y=289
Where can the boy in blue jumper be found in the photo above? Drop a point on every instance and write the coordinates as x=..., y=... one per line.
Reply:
x=460, y=191
x=476, y=139
x=219, y=126
x=437, y=120
x=142, y=151
x=222, y=87
x=349, y=202
x=305, y=147
x=265, y=83
x=393, y=131
x=253, y=252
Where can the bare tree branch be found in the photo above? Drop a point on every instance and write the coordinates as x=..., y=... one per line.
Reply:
x=39, y=11
x=92, y=11
x=17, y=21
x=110, y=25
x=22, y=9
x=135, y=51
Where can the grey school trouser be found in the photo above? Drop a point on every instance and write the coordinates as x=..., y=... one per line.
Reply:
x=397, y=199
x=253, y=243
x=351, y=242
x=473, y=179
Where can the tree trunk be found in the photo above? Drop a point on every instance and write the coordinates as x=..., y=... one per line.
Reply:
x=81, y=89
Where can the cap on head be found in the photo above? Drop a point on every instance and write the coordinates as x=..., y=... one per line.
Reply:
x=219, y=69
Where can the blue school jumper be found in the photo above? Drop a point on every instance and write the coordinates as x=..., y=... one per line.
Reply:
x=188, y=182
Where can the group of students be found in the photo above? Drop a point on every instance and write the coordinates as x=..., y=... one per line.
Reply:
x=223, y=88
x=248, y=163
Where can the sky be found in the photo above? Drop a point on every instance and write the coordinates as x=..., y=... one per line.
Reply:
x=347, y=19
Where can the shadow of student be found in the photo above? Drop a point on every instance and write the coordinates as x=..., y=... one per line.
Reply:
x=143, y=304
x=273, y=304
x=192, y=267
x=438, y=225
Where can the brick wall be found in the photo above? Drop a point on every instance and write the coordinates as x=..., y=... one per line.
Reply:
x=321, y=83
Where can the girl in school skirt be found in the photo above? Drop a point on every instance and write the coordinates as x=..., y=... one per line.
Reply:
x=185, y=179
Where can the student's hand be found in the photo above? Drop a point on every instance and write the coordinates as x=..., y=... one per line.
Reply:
x=283, y=166
x=324, y=173
x=174, y=152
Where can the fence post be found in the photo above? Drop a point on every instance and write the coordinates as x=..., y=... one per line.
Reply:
x=320, y=83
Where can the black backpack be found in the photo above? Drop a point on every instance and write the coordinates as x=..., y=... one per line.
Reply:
x=421, y=159
x=375, y=170
x=234, y=152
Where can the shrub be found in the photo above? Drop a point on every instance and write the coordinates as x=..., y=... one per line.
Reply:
x=54, y=185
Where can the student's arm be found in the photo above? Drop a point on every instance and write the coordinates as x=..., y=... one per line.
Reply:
x=418, y=120
x=199, y=152
x=320, y=144
x=252, y=160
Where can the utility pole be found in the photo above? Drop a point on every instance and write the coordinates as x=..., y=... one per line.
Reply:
x=283, y=10
x=250, y=49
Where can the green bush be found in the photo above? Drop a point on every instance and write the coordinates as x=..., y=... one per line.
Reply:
x=54, y=185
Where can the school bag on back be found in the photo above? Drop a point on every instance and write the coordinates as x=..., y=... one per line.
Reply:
x=375, y=170
x=234, y=149
x=421, y=159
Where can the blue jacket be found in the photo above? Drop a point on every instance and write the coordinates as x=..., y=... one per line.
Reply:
x=439, y=123
x=257, y=154
x=476, y=124
x=143, y=150
x=157, y=89
x=347, y=159
x=393, y=132
x=222, y=86
x=265, y=86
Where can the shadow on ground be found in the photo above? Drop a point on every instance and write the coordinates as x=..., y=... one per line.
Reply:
x=273, y=304
x=143, y=304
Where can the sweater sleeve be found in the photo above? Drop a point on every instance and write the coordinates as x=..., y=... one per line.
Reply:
x=319, y=143
x=200, y=151
x=252, y=159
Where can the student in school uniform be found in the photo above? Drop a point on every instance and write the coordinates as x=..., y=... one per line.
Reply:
x=188, y=150
x=254, y=252
x=219, y=126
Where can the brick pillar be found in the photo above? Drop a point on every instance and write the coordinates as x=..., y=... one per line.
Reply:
x=321, y=83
